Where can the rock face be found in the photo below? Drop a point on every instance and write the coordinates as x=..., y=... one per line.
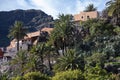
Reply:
x=34, y=19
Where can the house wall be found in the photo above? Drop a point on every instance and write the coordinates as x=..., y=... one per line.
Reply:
x=28, y=41
x=83, y=16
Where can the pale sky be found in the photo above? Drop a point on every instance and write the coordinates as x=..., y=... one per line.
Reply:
x=52, y=7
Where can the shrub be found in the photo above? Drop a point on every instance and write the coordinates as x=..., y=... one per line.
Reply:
x=18, y=78
x=96, y=73
x=69, y=75
x=3, y=77
x=35, y=76
x=95, y=59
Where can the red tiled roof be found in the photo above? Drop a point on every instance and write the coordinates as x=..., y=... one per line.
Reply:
x=47, y=29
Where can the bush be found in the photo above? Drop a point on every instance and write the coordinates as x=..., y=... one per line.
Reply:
x=95, y=59
x=3, y=77
x=18, y=78
x=69, y=75
x=35, y=76
x=96, y=73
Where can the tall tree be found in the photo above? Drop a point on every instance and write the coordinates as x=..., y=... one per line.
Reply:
x=35, y=59
x=49, y=50
x=113, y=7
x=96, y=73
x=90, y=7
x=18, y=63
x=17, y=31
x=71, y=60
x=62, y=32
x=39, y=50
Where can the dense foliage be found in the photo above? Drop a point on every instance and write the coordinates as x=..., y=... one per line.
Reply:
x=69, y=75
x=32, y=76
x=90, y=51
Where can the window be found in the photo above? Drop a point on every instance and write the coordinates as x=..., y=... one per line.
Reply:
x=88, y=17
x=82, y=17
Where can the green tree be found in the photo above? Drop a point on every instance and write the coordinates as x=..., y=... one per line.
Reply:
x=18, y=63
x=90, y=7
x=3, y=77
x=32, y=76
x=39, y=50
x=35, y=76
x=18, y=78
x=36, y=58
x=49, y=53
x=32, y=62
x=25, y=62
x=70, y=60
x=99, y=35
x=96, y=73
x=96, y=58
x=69, y=75
x=113, y=7
x=62, y=33
x=18, y=32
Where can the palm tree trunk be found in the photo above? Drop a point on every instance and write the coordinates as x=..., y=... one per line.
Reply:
x=57, y=51
x=41, y=56
x=50, y=67
x=17, y=44
x=22, y=66
x=118, y=23
x=64, y=46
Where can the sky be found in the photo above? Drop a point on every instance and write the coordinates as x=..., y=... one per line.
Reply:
x=52, y=7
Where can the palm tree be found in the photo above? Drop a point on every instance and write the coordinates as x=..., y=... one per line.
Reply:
x=43, y=52
x=90, y=7
x=3, y=77
x=71, y=60
x=34, y=62
x=18, y=32
x=49, y=52
x=39, y=50
x=62, y=32
x=18, y=63
x=36, y=57
x=113, y=7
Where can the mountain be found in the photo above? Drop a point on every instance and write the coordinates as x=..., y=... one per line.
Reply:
x=33, y=19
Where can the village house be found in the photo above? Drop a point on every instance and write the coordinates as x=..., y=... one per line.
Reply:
x=84, y=16
x=29, y=40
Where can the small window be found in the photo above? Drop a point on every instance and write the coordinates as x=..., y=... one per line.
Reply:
x=82, y=17
x=88, y=17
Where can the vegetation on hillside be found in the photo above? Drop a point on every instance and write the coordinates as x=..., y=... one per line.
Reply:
x=90, y=51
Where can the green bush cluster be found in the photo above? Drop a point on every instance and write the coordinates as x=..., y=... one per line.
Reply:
x=69, y=75
x=32, y=76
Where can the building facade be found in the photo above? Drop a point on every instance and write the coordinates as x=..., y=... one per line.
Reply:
x=31, y=39
x=84, y=16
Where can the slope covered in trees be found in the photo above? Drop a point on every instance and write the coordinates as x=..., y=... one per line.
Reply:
x=90, y=51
